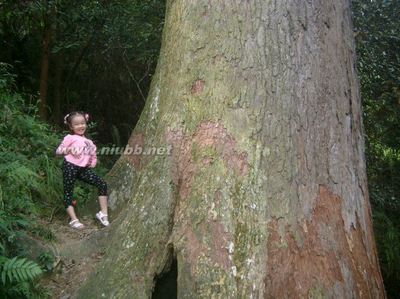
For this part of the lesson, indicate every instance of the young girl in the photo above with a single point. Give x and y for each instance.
(79, 157)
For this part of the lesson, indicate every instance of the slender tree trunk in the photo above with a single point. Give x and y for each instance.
(264, 194)
(58, 88)
(44, 70)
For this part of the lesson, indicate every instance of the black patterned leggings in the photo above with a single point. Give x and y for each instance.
(71, 172)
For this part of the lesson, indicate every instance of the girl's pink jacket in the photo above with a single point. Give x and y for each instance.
(84, 149)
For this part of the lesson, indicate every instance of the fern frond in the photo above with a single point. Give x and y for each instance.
(18, 270)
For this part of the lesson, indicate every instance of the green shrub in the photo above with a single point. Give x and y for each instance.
(30, 187)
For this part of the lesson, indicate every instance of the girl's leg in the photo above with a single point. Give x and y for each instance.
(71, 213)
(103, 204)
(69, 176)
(88, 176)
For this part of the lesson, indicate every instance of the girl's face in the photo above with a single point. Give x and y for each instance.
(78, 124)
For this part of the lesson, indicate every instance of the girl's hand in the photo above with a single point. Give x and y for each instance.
(72, 151)
(90, 163)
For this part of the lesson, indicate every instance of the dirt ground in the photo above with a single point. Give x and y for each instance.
(75, 257)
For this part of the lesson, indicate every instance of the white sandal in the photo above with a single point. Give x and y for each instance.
(102, 218)
(75, 224)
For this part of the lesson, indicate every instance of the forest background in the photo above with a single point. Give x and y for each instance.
(99, 56)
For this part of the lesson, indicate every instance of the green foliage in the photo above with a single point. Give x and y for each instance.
(46, 260)
(377, 31)
(18, 270)
(377, 28)
(42, 232)
(17, 278)
(25, 289)
(389, 243)
(30, 184)
(105, 52)
(7, 78)
(123, 39)
(29, 177)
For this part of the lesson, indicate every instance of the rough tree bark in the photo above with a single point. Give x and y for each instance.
(265, 192)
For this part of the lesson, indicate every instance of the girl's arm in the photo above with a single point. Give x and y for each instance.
(64, 147)
(93, 156)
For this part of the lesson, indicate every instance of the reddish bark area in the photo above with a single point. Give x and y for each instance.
(191, 152)
(322, 256)
(197, 87)
(196, 247)
(135, 141)
(207, 134)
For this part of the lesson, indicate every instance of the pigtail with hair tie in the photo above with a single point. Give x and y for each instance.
(65, 119)
(86, 116)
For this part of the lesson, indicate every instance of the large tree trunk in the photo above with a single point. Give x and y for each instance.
(265, 192)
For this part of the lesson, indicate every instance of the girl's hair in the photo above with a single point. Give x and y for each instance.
(68, 118)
